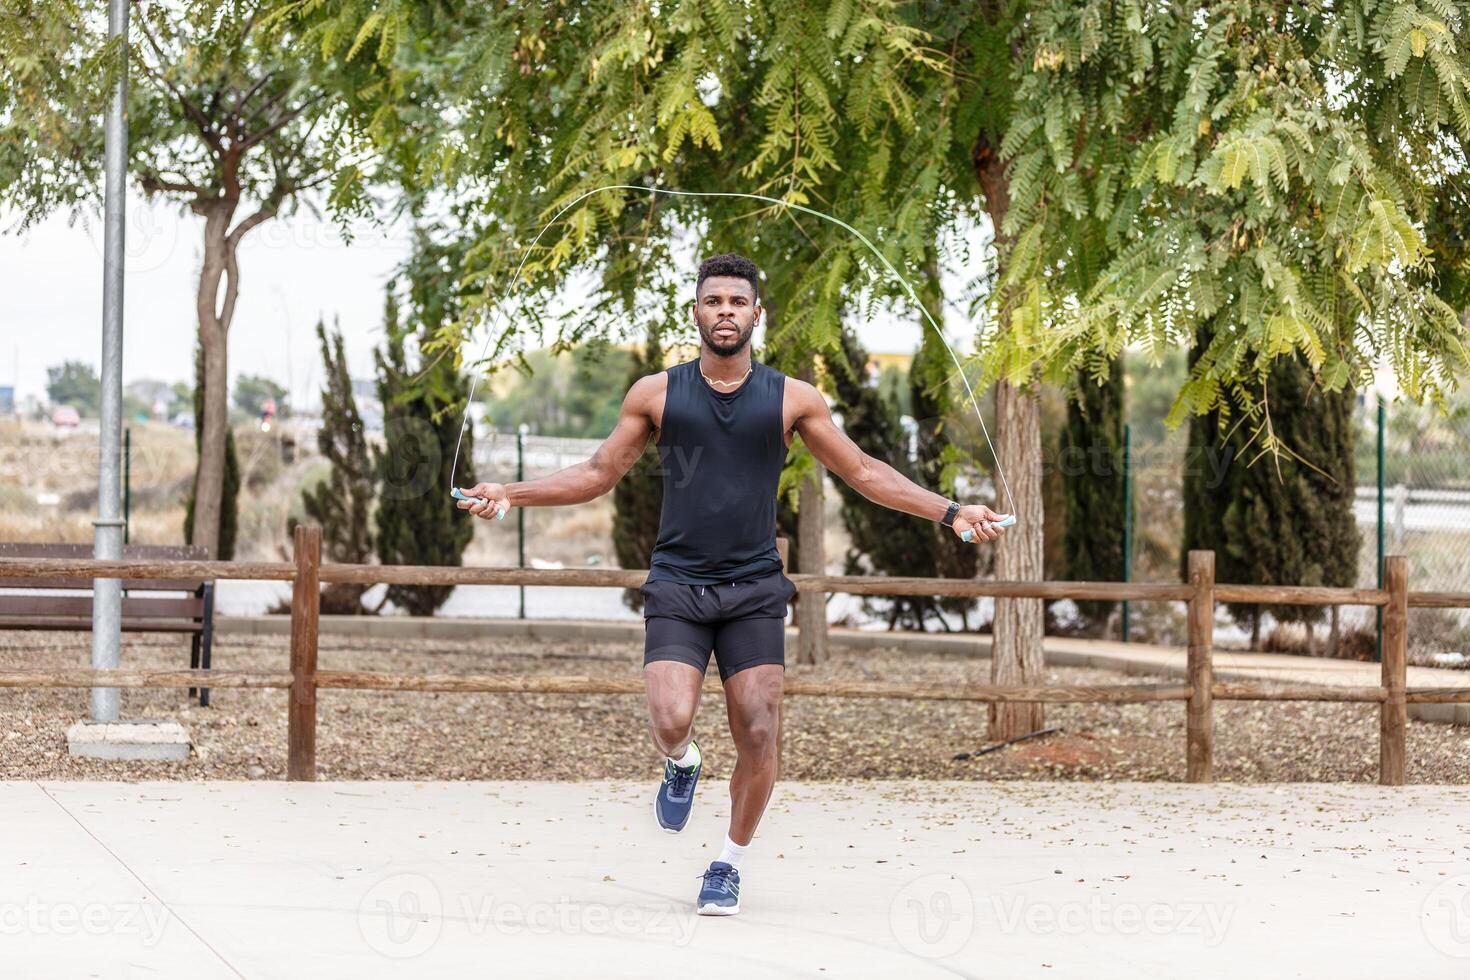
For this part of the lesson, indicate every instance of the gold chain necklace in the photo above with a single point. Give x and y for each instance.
(713, 381)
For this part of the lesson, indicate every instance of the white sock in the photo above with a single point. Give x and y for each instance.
(690, 756)
(732, 853)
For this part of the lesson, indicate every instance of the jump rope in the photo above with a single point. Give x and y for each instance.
(454, 490)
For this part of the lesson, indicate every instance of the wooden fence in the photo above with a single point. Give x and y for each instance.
(1199, 692)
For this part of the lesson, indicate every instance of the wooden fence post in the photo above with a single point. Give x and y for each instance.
(305, 611)
(1393, 717)
(1200, 711)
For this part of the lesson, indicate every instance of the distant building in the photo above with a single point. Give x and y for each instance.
(7, 398)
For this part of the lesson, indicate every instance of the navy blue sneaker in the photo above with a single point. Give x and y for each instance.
(675, 799)
(720, 893)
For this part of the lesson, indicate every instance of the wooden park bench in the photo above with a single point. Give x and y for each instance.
(192, 612)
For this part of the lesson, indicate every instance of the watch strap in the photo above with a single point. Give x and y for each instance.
(949, 515)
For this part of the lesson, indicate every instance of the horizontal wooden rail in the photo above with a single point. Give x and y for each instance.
(513, 684)
(1437, 695)
(632, 578)
(257, 571)
(1301, 692)
(369, 680)
(134, 677)
(1300, 595)
(1439, 600)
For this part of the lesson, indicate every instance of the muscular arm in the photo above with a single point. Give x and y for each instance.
(590, 478)
(873, 478)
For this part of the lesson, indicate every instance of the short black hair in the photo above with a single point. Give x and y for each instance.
(730, 264)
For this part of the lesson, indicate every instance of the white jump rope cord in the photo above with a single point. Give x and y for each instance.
(515, 277)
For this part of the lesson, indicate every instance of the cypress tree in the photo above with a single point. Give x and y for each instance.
(341, 505)
(638, 498)
(931, 397)
(1286, 520)
(229, 516)
(884, 541)
(1091, 463)
(417, 521)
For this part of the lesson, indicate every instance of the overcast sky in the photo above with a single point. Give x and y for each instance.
(293, 270)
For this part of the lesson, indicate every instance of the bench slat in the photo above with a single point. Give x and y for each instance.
(85, 625)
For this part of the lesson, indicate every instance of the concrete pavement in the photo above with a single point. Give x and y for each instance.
(270, 879)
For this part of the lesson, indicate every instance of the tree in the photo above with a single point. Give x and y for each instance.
(341, 505)
(638, 498)
(229, 505)
(251, 391)
(576, 394)
(1207, 170)
(1287, 521)
(884, 541)
(74, 383)
(935, 409)
(417, 522)
(1091, 461)
(232, 113)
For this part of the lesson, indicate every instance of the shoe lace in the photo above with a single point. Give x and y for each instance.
(682, 779)
(719, 879)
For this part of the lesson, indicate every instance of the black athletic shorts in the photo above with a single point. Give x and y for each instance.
(743, 622)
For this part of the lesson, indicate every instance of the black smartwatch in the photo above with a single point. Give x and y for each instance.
(948, 519)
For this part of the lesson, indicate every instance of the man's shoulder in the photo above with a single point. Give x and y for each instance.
(801, 392)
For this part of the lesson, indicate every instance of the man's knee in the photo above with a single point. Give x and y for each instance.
(758, 731)
(670, 723)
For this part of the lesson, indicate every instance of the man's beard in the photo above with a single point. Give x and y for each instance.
(726, 348)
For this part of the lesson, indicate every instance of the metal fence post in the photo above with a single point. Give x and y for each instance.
(127, 480)
(1127, 522)
(521, 511)
(1378, 610)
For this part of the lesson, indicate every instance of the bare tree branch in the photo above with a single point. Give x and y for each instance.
(285, 120)
(194, 112)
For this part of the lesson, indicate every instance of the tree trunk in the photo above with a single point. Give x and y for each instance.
(213, 340)
(1017, 633)
(811, 607)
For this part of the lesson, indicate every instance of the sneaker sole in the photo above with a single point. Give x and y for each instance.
(719, 910)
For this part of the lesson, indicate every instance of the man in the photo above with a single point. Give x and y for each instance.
(723, 424)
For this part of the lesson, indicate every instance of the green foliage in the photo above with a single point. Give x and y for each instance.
(252, 390)
(341, 505)
(417, 522)
(1091, 461)
(1284, 522)
(638, 498)
(1279, 172)
(883, 541)
(229, 509)
(577, 394)
(228, 101)
(75, 383)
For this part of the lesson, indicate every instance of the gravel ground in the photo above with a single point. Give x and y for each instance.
(433, 736)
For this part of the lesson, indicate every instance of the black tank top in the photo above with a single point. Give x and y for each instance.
(721, 455)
